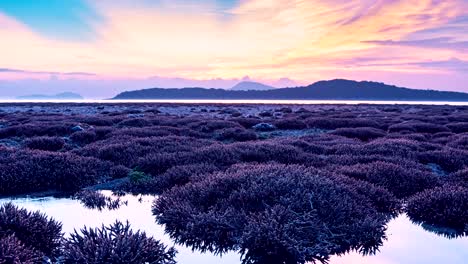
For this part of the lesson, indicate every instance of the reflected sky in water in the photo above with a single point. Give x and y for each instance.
(407, 243)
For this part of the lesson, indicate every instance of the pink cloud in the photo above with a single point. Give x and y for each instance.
(303, 40)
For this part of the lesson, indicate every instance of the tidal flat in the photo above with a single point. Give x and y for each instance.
(233, 183)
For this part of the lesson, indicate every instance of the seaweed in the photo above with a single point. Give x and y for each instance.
(14, 252)
(445, 208)
(117, 244)
(33, 229)
(275, 214)
(322, 180)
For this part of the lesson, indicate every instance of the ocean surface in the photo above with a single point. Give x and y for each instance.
(407, 243)
(196, 101)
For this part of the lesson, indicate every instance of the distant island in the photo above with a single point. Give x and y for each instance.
(59, 96)
(338, 89)
(251, 86)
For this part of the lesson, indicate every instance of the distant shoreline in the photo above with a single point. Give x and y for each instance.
(334, 90)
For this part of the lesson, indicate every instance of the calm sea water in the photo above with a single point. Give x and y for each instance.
(304, 102)
(407, 243)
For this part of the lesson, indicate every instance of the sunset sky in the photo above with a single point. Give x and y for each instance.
(101, 47)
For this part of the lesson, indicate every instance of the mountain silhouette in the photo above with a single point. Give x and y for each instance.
(251, 86)
(338, 89)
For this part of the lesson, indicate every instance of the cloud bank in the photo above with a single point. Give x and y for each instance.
(418, 43)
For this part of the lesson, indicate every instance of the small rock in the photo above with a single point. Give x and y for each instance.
(9, 143)
(153, 110)
(437, 169)
(302, 110)
(227, 111)
(77, 128)
(264, 127)
(135, 115)
(285, 110)
(265, 114)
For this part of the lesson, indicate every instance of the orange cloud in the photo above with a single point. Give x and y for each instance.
(262, 38)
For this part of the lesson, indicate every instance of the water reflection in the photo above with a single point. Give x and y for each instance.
(410, 243)
(73, 215)
(407, 243)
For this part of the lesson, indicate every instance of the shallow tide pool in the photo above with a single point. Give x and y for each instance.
(407, 243)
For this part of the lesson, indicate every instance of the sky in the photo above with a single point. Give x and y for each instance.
(99, 48)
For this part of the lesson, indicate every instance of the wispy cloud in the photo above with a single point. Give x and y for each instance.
(433, 43)
(454, 64)
(304, 40)
(8, 70)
